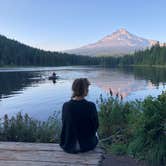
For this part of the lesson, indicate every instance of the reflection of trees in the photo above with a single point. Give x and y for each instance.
(11, 82)
(153, 74)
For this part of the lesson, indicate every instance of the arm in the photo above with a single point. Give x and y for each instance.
(63, 113)
(95, 120)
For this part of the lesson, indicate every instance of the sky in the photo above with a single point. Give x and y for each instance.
(66, 24)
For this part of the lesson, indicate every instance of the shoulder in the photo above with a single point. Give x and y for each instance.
(91, 104)
(67, 103)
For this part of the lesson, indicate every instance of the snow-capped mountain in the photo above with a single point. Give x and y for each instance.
(118, 43)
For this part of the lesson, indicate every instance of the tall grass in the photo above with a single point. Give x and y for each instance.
(25, 129)
(137, 128)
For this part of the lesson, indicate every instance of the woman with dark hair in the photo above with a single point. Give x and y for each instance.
(79, 120)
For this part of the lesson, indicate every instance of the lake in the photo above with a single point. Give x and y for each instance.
(28, 90)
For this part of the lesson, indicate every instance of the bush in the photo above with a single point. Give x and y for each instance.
(139, 126)
(116, 119)
(119, 149)
(25, 129)
(150, 139)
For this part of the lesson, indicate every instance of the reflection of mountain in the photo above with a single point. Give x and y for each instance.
(123, 80)
(127, 80)
(118, 81)
(13, 82)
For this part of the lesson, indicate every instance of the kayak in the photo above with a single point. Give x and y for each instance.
(53, 77)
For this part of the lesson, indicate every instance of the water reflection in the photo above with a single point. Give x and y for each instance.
(151, 74)
(129, 79)
(32, 92)
(124, 80)
(14, 82)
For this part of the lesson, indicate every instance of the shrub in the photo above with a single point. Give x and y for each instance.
(139, 126)
(149, 140)
(25, 129)
(118, 149)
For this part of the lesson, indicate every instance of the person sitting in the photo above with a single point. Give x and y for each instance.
(79, 120)
(54, 75)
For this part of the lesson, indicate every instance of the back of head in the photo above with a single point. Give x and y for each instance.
(80, 87)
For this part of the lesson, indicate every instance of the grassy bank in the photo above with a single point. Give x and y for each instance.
(157, 66)
(22, 128)
(135, 128)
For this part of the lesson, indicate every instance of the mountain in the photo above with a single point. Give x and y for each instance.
(118, 43)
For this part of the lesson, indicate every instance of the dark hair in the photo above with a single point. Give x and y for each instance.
(80, 86)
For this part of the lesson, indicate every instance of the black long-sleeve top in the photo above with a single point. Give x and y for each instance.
(79, 123)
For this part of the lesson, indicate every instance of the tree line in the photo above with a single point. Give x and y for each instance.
(156, 55)
(14, 53)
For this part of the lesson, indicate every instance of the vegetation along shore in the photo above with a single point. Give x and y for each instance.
(136, 128)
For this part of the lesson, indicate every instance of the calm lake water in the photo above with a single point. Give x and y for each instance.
(28, 90)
